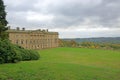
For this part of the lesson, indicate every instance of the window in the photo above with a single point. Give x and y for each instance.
(22, 41)
(17, 41)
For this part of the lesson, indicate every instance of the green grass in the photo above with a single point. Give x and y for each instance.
(66, 64)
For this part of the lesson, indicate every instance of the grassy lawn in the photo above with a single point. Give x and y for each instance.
(66, 64)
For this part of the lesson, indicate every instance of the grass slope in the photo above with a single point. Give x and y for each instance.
(66, 64)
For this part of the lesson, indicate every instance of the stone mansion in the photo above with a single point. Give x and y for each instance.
(33, 39)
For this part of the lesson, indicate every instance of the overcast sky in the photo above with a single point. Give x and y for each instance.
(71, 18)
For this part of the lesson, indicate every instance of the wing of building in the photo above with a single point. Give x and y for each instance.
(33, 39)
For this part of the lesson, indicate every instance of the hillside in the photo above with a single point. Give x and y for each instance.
(98, 40)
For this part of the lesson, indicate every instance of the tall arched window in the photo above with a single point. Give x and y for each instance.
(17, 41)
(22, 41)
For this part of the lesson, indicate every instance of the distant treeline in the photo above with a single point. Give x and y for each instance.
(71, 43)
(110, 46)
(85, 44)
(96, 40)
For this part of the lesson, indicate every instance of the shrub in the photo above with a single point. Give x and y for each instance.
(1, 60)
(10, 53)
(29, 55)
(25, 54)
(34, 55)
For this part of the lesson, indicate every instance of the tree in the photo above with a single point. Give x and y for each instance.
(3, 21)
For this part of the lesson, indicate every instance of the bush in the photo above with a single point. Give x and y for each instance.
(1, 60)
(29, 55)
(34, 55)
(10, 53)
(25, 55)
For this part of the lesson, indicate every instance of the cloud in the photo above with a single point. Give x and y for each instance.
(33, 16)
(65, 14)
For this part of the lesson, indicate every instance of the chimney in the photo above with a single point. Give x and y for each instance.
(39, 29)
(23, 29)
(17, 28)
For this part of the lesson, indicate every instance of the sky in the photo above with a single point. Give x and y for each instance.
(71, 18)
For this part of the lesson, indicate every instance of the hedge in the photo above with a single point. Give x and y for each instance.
(10, 53)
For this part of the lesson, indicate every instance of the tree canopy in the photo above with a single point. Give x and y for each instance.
(3, 21)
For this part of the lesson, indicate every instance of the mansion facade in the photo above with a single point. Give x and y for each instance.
(33, 39)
